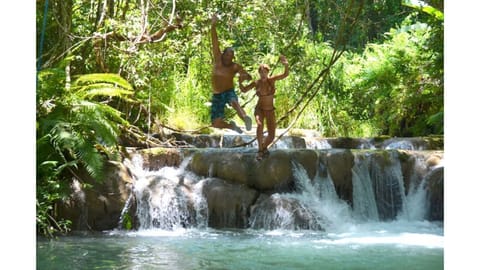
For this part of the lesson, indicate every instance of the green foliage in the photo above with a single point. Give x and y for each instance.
(171, 78)
(75, 129)
(437, 14)
(127, 222)
(389, 81)
(377, 17)
(48, 192)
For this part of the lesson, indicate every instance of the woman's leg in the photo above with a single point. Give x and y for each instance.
(271, 127)
(259, 118)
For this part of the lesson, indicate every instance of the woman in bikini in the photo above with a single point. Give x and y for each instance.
(265, 90)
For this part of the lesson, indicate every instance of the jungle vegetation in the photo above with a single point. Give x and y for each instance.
(110, 69)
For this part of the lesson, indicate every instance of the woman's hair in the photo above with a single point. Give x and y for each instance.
(263, 66)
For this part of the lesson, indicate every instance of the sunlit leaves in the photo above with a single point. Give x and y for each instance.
(79, 131)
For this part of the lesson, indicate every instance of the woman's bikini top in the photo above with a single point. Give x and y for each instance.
(271, 87)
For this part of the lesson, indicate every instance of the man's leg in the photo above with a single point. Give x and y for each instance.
(220, 123)
(218, 114)
(241, 113)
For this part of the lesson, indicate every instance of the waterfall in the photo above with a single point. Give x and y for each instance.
(165, 204)
(168, 198)
(200, 206)
(282, 211)
(79, 196)
(172, 198)
(364, 204)
(415, 204)
(415, 207)
(388, 185)
(402, 144)
(281, 144)
(320, 195)
(313, 206)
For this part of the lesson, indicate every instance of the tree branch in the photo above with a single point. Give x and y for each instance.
(144, 38)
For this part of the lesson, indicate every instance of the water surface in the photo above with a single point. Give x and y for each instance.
(394, 245)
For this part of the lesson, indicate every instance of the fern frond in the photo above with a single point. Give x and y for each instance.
(91, 159)
(100, 110)
(102, 89)
(109, 78)
(61, 136)
(45, 150)
(98, 128)
(73, 163)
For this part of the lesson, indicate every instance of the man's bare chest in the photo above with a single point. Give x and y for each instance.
(223, 71)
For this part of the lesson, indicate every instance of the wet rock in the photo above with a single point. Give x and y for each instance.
(339, 164)
(273, 172)
(434, 160)
(157, 158)
(97, 205)
(348, 143)
(308, 159)
(417, 164)
(165, 203)
(435, 192)
(228, 165)
(228, 203)
(412, 174)
(282, 212)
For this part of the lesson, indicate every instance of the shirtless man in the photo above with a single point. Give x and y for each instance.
(224, 70)
(265, 89)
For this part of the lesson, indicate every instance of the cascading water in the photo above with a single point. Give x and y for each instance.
(364, 204)
(415, 206)
(402, 144)
(165, 201)
(310, 227)
(173, 197)
(319, 195)
(388, 186)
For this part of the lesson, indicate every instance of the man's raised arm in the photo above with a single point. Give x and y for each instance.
(215, 46)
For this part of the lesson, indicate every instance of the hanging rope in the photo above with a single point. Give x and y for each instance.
(341, 42)
(292, 41)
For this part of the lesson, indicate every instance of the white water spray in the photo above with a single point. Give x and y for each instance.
(313, 206)
(322, 198)
(168, 198)
(415, 207)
